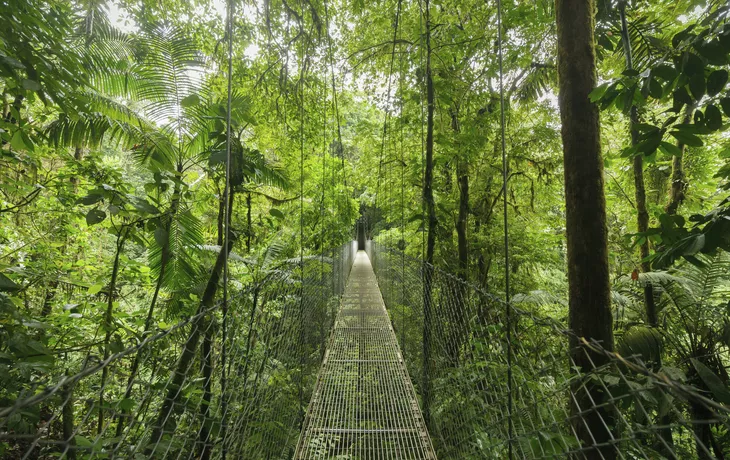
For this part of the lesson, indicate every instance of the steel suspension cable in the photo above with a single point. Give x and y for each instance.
(402, 197)
(505, 229)
(337, 114)
(226, 235)
(324, 171)
(423, 137)
(387, 102)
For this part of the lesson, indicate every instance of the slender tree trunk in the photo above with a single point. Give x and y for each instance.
(587, 239)
(108, 319)
(462, 178)
(642, 215)
(249, 230)
(166, 419)
(165, 257)
(206, 357)
(48, 300)
(67, 415)
(678, 184)
(665, 442)
(78, 156)
(432, 223)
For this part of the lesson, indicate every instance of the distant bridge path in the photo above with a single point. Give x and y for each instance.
(364, 405)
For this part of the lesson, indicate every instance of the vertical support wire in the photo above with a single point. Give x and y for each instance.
(505, 229)
(402, 208)
(334, 231)
(423, 138)
(226, 237)
(322, 208)
(337, 118)
(300, 390)
(387, 102)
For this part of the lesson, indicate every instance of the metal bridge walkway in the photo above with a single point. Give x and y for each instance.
(363, 405)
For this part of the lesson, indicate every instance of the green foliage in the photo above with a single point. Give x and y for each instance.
(112, 135)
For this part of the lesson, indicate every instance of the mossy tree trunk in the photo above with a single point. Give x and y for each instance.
(588, 276)
(431, 231)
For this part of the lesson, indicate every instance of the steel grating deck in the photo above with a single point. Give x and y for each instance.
(363, 405)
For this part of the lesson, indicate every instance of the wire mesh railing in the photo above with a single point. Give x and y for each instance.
(162, 398)
(484, 396)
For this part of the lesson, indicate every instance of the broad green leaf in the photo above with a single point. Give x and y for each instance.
(695, 245)
(687, 138)
(712, 381)
(94, 216)
(645, 127)
(680, 98)
(31, 85)
(655, 89)
(674, 373)
(697, 86)
(716, 82)
(670, 149)
(127, 404)
(90, 199)
(17, 142)
(144, 206)
(693, 65)
(714, 52)
(82, 441)
(7, 285)
(665, 72)
(713, 118)
(276, 213)
(598, 92)
(190, 101)
(161, 236)
(725, 104)
(95, 289)
(682, 36)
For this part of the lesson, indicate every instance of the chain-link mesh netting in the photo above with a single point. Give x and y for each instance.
(162, 398)
(496, 381)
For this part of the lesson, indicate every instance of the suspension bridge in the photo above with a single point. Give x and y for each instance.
(364, 405)
(355, 352)
(337, 357)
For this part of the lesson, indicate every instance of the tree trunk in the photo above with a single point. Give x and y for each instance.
(462, 177)
(665, 442)
(67, 415)
(431, 236)
(642, 215)
(589, 289)
(164, 260)
(678, 184)
(206, 356)
(108, 318)
(166, 422)
(249, 231)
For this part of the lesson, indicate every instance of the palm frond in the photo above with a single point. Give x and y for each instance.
(104, 117)
(184, 240)
(540, 298)
(540, 79)
(256, 168)
(171, 71)
(645, 45)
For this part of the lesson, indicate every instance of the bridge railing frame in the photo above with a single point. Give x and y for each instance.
(278, 327)
(476, 412)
